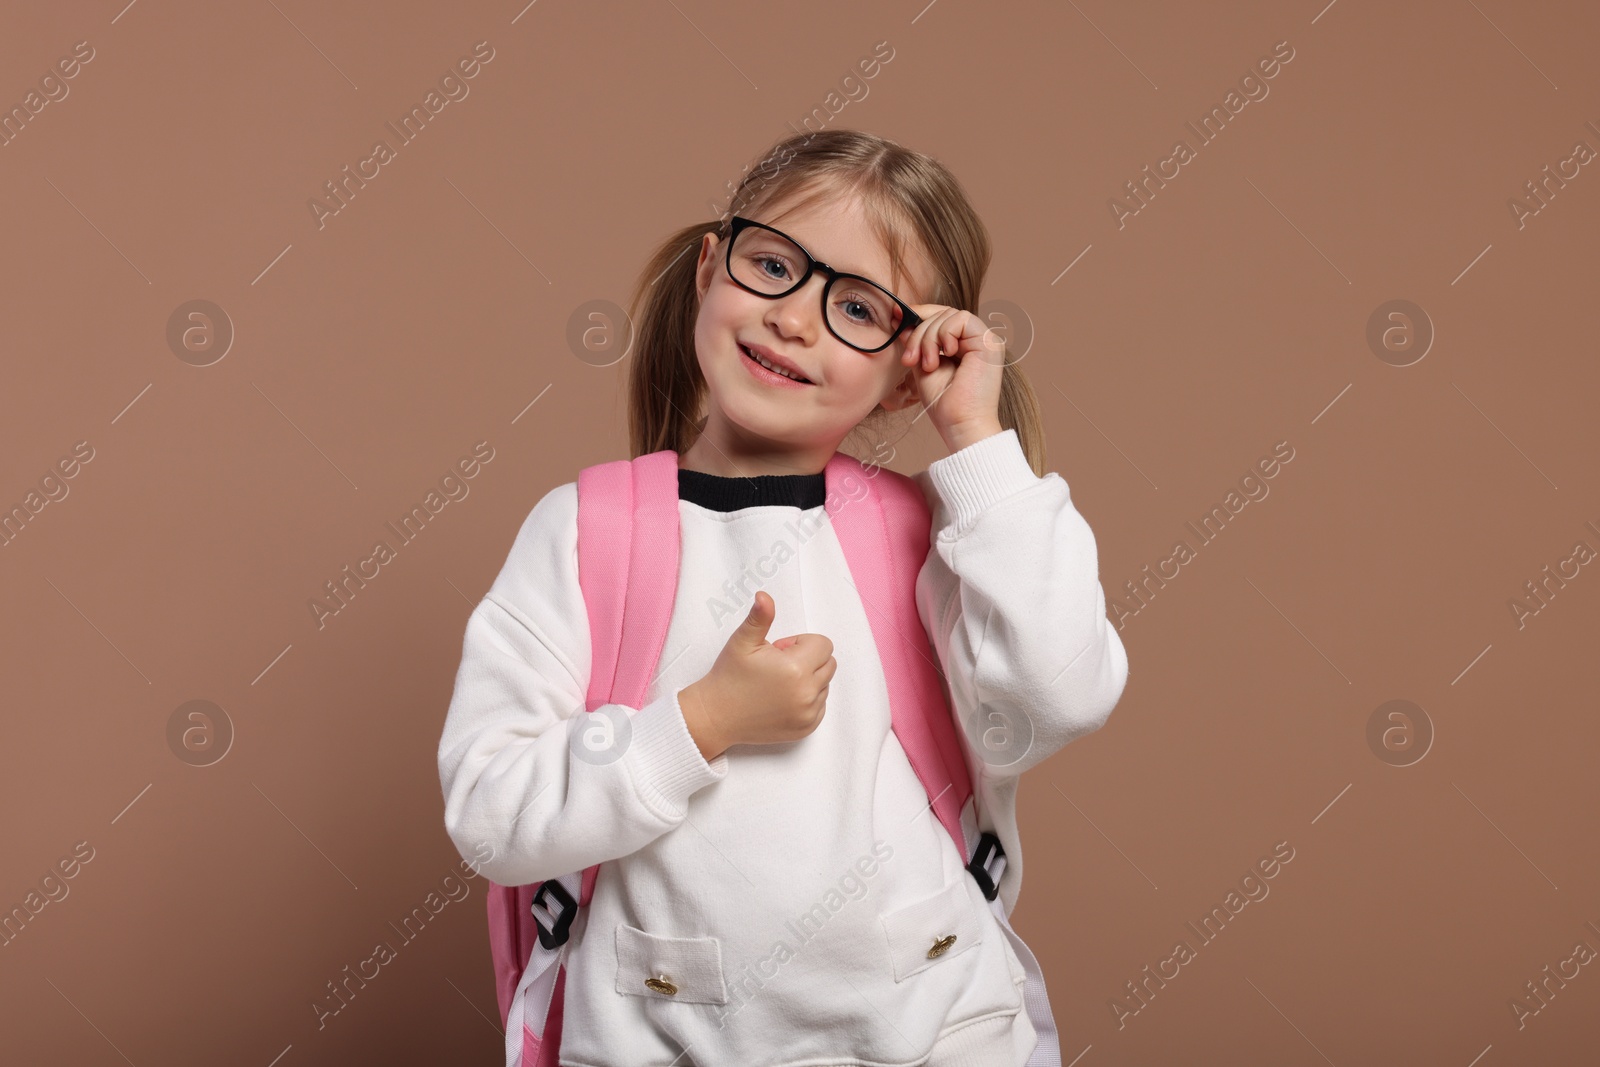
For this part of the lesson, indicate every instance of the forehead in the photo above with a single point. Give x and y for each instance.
(840, 234)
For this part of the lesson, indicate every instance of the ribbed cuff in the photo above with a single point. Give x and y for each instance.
(1008, 1040)
(985, 472)
(666, 764)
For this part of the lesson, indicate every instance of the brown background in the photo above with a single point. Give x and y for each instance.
(373, 352)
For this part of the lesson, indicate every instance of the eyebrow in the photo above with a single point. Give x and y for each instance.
(875, 281)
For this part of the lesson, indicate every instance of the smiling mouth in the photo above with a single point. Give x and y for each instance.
(776, 370)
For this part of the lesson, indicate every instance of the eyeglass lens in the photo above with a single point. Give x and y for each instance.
(861, 313)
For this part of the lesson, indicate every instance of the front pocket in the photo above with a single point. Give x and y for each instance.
(669, 968)
(943, 924)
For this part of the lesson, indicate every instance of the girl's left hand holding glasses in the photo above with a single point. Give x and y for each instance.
(960, 394)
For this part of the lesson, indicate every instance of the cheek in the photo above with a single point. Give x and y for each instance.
(723, 314)
(867, 378)
(711, 311)
(713, 325)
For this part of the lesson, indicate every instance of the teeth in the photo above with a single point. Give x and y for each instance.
(771, 367)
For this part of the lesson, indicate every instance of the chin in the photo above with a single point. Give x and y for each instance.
(758, 430)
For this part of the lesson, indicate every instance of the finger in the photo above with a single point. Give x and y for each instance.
(933, 345)
(994, 345)
(913, 353)
(910, 354)
(952, 331)
(813, 648)
(945, 341)
(826, 671)
(922, 349)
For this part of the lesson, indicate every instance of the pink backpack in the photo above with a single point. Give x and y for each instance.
(628, 534)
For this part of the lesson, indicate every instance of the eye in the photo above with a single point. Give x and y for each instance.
(863, 315)
(765, 260)
(859, 309)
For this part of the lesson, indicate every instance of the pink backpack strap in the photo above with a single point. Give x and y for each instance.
(884, 531)
(628, 570)
(511, 938)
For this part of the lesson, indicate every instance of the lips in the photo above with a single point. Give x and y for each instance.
(776, 360)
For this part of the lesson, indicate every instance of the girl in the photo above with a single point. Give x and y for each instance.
(761, 827)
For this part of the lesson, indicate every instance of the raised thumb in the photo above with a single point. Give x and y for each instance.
(753, 631)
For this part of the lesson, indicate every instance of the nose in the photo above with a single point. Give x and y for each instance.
(799, 314)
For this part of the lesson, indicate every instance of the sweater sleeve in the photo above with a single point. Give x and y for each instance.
(1011, 598)
(530, 779)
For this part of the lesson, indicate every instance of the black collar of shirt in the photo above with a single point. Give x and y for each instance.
(718, 493)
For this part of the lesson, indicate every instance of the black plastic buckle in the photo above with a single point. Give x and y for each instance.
(987, 851)
(556, 937)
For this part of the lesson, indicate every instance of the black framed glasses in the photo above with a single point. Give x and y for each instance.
(858, 311)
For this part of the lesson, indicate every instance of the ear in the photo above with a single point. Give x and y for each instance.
(903, 394)
(707, 265)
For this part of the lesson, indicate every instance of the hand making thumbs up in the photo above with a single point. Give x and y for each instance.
(759, 691)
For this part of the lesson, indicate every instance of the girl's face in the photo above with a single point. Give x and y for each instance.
(755, 425)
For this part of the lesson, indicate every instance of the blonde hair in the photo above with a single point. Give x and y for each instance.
(909, 197)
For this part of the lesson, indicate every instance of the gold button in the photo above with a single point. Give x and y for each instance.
(661, 985)
(940, 944)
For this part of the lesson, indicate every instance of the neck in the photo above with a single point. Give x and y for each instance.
(732, 456)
